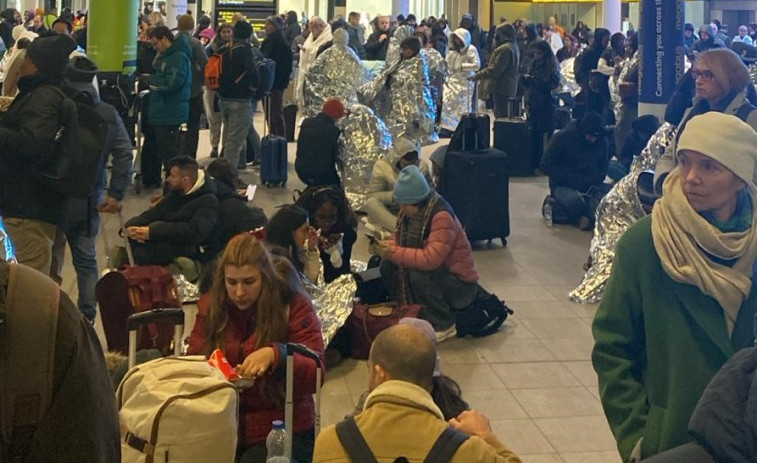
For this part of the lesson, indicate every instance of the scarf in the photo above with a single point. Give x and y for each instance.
(689, 246)
(410, 232)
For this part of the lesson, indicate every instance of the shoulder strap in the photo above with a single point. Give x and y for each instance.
(446, 446)
(744, 111)
(27, 353)
(353, 442)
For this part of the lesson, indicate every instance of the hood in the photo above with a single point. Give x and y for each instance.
(86, 87)
(17, 31)
(224, 190)
(710, 30)
(530, 28)
(181, 45)
(199, 183)
(504, 33)
(9, 15)
(599, 35)
(403, 32)
(724, 417)
(463, 34)
(340, 37)
(647, 124)
(405, 393)
(401, 147)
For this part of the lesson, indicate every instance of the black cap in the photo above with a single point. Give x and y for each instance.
(80, 69)
(50, 54)
(242, 30)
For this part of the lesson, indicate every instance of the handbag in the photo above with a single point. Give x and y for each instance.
(598, 82)
(367, 321)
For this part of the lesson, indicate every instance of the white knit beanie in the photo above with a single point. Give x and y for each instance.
(724, 138)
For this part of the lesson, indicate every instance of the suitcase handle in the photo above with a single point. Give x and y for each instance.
(305, 351)
(150, 316)
(106, 243)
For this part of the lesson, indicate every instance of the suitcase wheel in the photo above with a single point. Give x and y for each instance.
(504, 241)
(138, 183)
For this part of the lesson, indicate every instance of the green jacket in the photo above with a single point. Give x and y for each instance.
(658, 343)
(170, 86)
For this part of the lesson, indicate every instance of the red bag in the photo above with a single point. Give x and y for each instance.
(367, 321)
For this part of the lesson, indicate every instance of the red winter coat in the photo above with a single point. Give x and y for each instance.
(256, 412)
(446, 246)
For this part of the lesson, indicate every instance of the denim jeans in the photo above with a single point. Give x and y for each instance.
(80, 232)
(237, 119)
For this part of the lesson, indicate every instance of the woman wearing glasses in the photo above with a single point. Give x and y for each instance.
(722, 84)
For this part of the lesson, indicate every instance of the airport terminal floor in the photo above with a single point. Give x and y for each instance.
(533, 379)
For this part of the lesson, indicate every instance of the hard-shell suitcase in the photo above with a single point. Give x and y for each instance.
(476, 185)
(513, 136)
(175, 409)
(472, 132)
(293, 348)
(122, 292)
(274, 167)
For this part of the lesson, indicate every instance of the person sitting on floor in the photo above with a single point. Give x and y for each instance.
(235, 216)
(331, 215)
(576, 162)
(290, 234)
(181, 221)
(318, 146)
(400, 418)
(429, 261)
(381, 208)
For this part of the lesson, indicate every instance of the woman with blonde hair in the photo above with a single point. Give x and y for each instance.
(681, 297)
(722, 84)
(255, 306)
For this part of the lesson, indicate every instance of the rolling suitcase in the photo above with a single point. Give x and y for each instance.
(122, 292)
(305, 351)
(513, 136)
(290, 121)
(476, 185)
(472, 132)
(274, 167)
(175, 409)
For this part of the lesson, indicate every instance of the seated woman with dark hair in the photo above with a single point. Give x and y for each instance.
(335, 223)
(290, 234)
(255, 306)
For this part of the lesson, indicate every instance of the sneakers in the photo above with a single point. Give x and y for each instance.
(449, 333)
(376, 230)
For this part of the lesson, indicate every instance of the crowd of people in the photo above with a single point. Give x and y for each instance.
(679, 303)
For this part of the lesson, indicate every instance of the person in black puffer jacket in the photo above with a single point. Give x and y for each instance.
(318, 146)
(274, 47)
(576, 162)
(234, 215)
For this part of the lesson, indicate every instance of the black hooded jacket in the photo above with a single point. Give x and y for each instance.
(274, 47)
(26, 138)
(571, 161)
(589, 58)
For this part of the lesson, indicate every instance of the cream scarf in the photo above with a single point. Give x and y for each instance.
(683, 239)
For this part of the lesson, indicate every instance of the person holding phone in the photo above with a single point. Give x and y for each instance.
(255, 306)
(290, 234)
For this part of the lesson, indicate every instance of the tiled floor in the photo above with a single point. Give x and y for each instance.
(533, 379)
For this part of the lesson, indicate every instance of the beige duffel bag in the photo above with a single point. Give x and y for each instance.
(177, 409)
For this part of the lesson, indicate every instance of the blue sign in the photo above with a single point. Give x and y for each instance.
(660, 48)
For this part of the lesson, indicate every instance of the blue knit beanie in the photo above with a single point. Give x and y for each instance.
(411, 186)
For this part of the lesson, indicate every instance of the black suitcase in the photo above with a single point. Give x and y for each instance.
(476, 185)
(513, 136)
(472, 132)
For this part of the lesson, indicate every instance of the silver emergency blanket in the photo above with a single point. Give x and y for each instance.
(6, 249)
(614, 91)
(189, 293)
(393, 55)
(568, 82)
(332, 303)
(753, 72)
(365, 139)
(337, 72)
(401, 96)
(358, 266)
(617, 211)
(458, 97)
(437, 73)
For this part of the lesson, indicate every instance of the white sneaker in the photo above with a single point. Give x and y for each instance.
(449, 333)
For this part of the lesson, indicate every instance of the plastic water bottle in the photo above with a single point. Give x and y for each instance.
(276, 444)
(547, 213)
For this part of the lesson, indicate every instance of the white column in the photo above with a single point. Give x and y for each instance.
(400, 7)
(174, 8)
(611, 15)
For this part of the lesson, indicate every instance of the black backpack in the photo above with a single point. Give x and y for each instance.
(357, 449)
(77, 149)
(483, 317)
(266, 69)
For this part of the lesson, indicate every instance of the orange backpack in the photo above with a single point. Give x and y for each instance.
(213, 71)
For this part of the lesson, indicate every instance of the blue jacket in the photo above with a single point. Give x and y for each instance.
(170, 86)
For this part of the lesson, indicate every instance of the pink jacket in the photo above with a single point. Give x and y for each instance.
(446, 246)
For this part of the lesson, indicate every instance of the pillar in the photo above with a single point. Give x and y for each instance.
(661, 51)
(400, 7)
(174, 9)
(611, 15)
